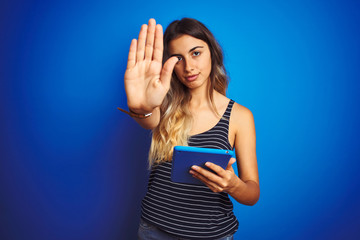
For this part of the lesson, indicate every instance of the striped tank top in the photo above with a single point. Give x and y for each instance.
(191, 211)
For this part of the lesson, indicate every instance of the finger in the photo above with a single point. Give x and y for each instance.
(141, 43)
(150, 39)
(213, 186)
(158, 46)
(216, 168)
(231, 162)
(132, 54)
(167, 70)
(209, 175)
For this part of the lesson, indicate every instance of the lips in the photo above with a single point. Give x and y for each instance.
(192, 77)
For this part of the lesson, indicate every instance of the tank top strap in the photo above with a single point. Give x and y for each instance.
(225, 122)
(227, 113)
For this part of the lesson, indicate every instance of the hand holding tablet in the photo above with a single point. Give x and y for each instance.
(185, 157)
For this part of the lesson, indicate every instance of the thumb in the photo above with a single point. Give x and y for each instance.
(167, 70)
(229, 167)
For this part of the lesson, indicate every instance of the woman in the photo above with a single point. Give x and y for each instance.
(182, 99)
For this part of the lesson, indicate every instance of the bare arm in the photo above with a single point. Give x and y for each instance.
(245, 188)
(146, 80)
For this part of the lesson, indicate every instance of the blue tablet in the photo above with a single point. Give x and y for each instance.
(184, 157)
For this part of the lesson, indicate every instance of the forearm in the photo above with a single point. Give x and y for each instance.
(247, 192)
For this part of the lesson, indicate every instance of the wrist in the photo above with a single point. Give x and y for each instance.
(139, 115)
(238, 187)
(139, 111)
(134, 114)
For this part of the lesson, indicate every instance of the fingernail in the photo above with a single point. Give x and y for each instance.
(195, 167)
(207, 164)
(191, 172)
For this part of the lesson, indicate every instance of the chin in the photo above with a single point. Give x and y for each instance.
(192, 85)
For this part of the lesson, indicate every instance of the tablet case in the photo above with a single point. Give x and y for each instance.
(184, 157)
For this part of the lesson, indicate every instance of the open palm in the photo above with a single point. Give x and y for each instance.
(146, 80)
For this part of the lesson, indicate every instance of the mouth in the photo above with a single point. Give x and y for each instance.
(192, 77)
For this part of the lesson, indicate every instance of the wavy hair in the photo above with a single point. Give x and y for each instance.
(175, 117)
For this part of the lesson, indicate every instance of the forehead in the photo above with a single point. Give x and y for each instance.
(184, 43)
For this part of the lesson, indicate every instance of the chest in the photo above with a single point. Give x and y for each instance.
(219, 127)
(203, 121)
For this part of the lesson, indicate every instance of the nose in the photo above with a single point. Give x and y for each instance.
(189, 65)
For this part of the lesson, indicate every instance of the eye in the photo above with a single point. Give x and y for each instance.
(196, 53)
(179, 58)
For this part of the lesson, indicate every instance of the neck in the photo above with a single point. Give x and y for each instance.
(199, 97)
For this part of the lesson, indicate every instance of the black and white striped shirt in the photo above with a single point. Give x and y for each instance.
(191, 211)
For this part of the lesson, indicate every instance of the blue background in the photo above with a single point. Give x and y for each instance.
(74, 167)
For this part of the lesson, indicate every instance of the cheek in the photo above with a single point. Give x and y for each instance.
(206, 64)
(207, 67)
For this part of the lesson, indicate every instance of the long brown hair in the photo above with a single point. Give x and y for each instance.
(176, 120)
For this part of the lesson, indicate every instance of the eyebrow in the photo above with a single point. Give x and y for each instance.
(175, 55)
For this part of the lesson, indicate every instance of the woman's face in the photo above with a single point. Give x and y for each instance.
(194, 65)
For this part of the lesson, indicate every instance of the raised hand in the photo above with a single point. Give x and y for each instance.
(147, 81)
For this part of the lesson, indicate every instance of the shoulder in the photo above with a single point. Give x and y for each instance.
(241, 117)
(221, 101)
(240, 111)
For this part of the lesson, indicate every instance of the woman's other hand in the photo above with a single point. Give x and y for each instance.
(225, 180)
